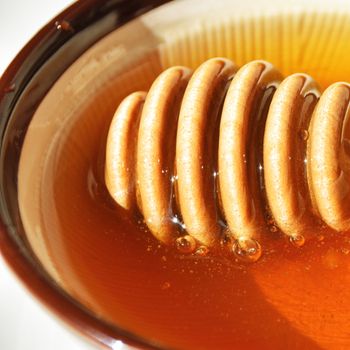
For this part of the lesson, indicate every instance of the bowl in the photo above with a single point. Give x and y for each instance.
(85, 258)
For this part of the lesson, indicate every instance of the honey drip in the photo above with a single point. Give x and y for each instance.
(223, 151)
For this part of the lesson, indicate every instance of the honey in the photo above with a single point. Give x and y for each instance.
(292, 297)
(295, 296)
(110, 262)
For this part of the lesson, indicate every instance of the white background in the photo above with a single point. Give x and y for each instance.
(24, 322)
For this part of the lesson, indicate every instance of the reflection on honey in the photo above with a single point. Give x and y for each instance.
(292, 298)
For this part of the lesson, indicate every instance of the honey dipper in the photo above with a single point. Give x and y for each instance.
(217, 151)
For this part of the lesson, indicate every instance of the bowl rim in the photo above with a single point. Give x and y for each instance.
(13, 253)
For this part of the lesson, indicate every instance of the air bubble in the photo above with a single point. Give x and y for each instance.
(185, 244)
(226, 239)
(173, 178)
(165, 285)
(273, 228)
(297, 240)
(202, 250)
(247, 249)
(304, 134)
(320, 238)
(345, 251)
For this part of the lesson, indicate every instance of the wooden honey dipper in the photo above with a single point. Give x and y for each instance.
(212, 153)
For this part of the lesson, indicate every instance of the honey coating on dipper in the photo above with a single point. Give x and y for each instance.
(229, 152)
(285, 158)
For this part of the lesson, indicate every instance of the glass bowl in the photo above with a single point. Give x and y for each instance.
(57, 99)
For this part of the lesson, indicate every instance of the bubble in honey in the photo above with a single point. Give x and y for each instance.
(202, 250)
(273, 228)
(320, 238)
(247, 249)
(304, 134)
(226, 239)
(185, 244)
(345, 251)
(332, 259)
(297, 240)
(165, 285)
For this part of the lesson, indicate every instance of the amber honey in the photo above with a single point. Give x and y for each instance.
(105, 257)
(292, 297)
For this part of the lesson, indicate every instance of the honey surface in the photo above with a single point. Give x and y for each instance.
(291, 298)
